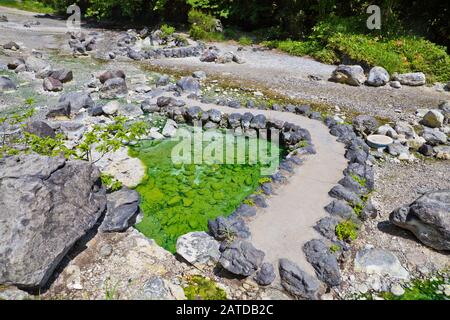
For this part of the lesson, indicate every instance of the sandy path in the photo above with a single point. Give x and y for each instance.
(281, 229)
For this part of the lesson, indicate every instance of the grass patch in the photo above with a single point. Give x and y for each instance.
(346, 230)
(200, 288)
(27, 5)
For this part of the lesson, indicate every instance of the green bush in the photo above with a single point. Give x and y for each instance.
(346, 230)
(202, 20)
(245, 41)
(201, 288)
(167, 30)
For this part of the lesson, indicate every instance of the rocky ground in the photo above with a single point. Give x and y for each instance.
(128, 265)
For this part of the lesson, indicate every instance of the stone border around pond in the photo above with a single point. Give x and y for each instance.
(349, 194)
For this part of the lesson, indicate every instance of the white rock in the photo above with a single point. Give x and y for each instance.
(170, 128)
(111, 107)
(379, 262)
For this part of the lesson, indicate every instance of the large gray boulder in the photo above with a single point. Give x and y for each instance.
(46, 205)
(324, 262)
(241, 258)
(122, 210)
(434, 136)
(351, 75)
(413, 79)
(6, 84)
(378, 76)
(428, 218)
(297, 282)
(40, 129)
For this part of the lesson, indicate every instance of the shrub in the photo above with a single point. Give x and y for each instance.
(200, 288)
(202, 20)
(346, 230)
(245, 41)
(167, 30)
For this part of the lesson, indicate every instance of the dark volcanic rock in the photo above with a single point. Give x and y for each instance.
(324, 262)
(241, 258)
(297, 282)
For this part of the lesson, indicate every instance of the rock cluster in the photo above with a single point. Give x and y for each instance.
(354, 75)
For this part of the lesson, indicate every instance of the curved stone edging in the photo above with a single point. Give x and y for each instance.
(286, 211)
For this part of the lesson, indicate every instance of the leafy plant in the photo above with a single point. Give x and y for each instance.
(249, 202)
(200, 288)
(167, 30)
(335, 248)
(110, 182)
(245, 41)
(111, 292)
(360, 180)
(346, 230)
(46, 146)
(109, 138)
(263, 180)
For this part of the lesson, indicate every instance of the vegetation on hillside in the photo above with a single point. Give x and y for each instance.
(412, 37)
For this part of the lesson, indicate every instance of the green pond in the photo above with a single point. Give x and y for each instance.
(181, 198)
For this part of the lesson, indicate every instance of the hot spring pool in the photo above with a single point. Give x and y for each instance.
(181, 198)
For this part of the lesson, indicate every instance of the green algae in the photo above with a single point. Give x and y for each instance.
(181, 198)
(200, 288)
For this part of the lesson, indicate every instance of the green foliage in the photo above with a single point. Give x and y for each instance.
(249, 202)
(167, 31)
(110, 182)
(336, 37)
(245, 41)
(203, 26)
(46, 146)
(111, 292)
(335, 248)
(361, 180)
(421, 289)
(263, 180)
(27, 5)
(346, 230)
(200, 288)
(109, 138)
(181, 198)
